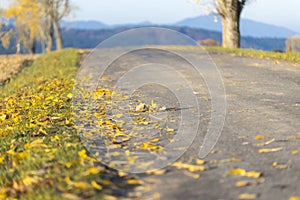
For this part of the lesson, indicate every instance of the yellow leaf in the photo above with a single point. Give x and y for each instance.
(237, 172)
(21, 155)
(94, 170)
(127, 153)
(56, 137)
(195, 176)
(96, 185)
(3, 117)
(141, 107)
(28, 181)
(279, 166)
(247, 196)
(153, 104)
(82, 185)
(294, 198)
(270, 150)
(109, 197)
(135, 182)
(118, 116)
(253, 174)
(163, 108)
(200, 162)
(260, 137)
(70, 95)
(157, 172)
(82, 154)
(241, 184)
(122, 174)
(242, 172)
(70, 196)
(41, 131)
(294, 152)
(191, 168)
(2, 159)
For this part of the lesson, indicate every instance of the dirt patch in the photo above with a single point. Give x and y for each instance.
(11, 65)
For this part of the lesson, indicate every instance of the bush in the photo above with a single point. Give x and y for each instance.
(209, 42)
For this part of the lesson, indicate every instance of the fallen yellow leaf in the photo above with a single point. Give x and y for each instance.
(270, 150)
(96, 185)
(191, 168)
(70, 196)
(247, 196)
(135, 182)
(242, 172)
(241, 184)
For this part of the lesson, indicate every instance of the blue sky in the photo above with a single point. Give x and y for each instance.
(278, 12)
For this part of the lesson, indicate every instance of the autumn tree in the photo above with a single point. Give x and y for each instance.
(38, 21)
(230, 12)
(28, 18)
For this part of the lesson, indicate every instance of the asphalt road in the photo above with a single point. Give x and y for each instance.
(263, 99)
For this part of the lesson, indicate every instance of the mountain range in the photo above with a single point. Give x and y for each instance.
(209, 22)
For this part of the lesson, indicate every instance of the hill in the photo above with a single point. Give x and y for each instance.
(248, 27)
(208, 22)
(75, 38)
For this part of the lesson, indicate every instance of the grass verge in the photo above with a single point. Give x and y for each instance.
(41, 156)
(293, 57)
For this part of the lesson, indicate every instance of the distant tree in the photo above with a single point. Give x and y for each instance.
(38, 21)
(230, 12)
(28, 18)
(57, 10)
(293, 44)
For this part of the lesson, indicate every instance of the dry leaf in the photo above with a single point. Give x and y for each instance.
(195, 176)
(294, 152)
(242, 172)
(294, 198)
(96, 185)
(135, 182)
(247, 196)
(191, 168)
(270, 150)
(70, 196)
(242, 184)
(157, 172)
(279, 166)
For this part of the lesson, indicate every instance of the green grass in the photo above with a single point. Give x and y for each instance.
(61, 64)
(41, 156)
(293, 57)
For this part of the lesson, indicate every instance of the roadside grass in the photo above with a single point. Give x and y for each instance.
(292, 57)
(41, 156)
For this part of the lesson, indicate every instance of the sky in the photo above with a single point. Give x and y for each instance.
(278, 12)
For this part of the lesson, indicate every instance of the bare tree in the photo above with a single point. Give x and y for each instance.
(58, 9)
(230, 12)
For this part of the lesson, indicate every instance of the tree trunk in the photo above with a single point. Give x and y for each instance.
(231, 30)
(32, 47)
(230, 12)
(59, 44)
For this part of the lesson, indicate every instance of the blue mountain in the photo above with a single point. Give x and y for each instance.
(248, 27)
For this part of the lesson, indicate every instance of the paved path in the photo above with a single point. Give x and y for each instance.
(263, 99)
(263, 102)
